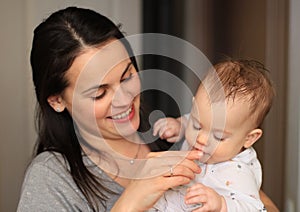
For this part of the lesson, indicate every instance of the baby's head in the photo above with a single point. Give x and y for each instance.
(222, 131)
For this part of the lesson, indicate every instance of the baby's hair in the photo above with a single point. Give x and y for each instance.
(246, 80)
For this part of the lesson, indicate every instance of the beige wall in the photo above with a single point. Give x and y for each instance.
(292, 169)
(14, 103)
(17, 21)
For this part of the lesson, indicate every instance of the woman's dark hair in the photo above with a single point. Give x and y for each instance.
(57, 42)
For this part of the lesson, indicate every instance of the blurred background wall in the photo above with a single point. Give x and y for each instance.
(265, 30)
(18, 18)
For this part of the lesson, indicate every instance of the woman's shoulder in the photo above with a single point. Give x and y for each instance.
(48, 183)
(47, 156)
(47, 159)
(48, 166)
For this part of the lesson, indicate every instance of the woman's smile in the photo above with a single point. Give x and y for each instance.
(123, 116)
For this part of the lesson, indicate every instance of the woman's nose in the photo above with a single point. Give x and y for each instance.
(121, 97)
(202, 138)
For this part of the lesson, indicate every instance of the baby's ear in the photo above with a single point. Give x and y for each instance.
(252, 137)
(56, 102)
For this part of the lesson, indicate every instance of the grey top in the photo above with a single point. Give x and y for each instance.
(48, 186)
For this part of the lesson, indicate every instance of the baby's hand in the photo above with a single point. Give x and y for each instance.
(209, 198)
(170, 129)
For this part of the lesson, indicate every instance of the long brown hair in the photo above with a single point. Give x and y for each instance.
(57, 42)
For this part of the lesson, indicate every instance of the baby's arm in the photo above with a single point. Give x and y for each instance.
(171, 129)
(210, 199)
(236, 184)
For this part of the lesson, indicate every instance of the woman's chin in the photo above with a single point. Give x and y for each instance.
(129, 127)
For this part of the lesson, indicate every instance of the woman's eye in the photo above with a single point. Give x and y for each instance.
(127, 78)
(99, 95)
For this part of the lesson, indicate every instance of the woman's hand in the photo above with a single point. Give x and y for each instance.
(164, 171)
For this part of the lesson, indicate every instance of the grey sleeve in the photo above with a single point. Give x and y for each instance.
(47, 188)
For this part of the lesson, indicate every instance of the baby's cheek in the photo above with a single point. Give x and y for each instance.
(221, 154)
(191, 136)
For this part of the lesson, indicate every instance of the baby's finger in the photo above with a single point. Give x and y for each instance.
(155, 129)
(160, 122)
(162, 131)
(203, 208)
(167, 133)
(196, 187)
(199, 199)
(192, 193)
(173, 139)
(158, 125)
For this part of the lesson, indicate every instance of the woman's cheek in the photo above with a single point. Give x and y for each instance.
(83, 113)
(133, 86)
(101, 109)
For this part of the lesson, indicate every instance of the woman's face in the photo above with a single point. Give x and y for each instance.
(103, 95)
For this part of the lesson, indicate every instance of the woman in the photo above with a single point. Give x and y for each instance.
(87, 88)
(89, 155)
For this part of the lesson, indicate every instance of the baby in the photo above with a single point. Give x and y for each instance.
(228, 110)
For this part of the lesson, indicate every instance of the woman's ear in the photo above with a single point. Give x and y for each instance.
(252, 137)
(57, 103)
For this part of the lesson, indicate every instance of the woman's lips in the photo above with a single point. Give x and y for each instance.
(124, 116)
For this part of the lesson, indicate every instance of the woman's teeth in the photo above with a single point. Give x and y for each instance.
(122, 115)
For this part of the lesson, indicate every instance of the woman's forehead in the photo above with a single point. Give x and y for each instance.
(95, 63)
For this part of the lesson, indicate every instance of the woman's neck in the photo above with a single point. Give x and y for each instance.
(128, 147)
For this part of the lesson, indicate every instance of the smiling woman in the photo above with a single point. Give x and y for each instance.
(107, 97)
(88, 116)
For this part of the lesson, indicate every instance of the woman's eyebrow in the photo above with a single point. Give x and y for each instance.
(96, 87)
(105, 85)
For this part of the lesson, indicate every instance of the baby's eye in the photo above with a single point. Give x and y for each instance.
(218, 137)
(196, 126)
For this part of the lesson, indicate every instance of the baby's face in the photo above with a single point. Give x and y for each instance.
(219, 130)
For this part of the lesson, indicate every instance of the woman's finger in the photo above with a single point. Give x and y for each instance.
(174, 158)
(180, 170)
(174, 181)
(191, 155)
(160, 163)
